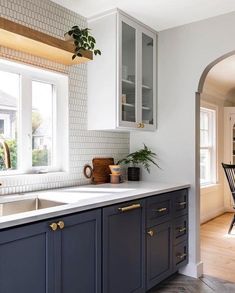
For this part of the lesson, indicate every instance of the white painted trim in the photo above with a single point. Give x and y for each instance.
(194, 270)
(209, 188)
(213, 215)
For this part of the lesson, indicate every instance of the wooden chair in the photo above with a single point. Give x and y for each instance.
(230, 174)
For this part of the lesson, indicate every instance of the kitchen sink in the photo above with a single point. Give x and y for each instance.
(26, 205)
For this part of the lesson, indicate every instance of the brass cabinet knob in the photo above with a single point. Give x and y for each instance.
(60, 224)
(150, 233)
(53, 226)
(139, 125)
(181, 256)
(182, 229)
(142, 125)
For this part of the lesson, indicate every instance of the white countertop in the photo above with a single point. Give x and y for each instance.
(81, 198)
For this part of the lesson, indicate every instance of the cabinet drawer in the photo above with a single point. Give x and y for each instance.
(180, 255)
(180, 203)
(159, 209)
(180, 229)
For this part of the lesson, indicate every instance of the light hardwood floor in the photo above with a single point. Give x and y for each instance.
(218, 248)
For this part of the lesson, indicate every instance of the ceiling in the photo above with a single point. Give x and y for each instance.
(158, 14)
(222, 78)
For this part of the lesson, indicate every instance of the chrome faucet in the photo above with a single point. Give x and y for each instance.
(7, 156)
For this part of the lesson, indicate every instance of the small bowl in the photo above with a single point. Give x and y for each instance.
(115, 169)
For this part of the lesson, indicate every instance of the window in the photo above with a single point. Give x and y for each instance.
(207, 146)
(33, 118)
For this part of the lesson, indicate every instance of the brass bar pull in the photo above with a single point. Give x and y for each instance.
(53, 226)
(181, 229)
(150, 233)
(181, 256)
(60, 224)
(129, 208)
(182, 203)
(161, 210)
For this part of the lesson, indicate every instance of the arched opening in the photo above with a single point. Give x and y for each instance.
(215, 143)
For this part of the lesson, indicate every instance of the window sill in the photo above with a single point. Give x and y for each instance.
(209, 188)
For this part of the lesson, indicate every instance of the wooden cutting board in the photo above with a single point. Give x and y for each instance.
(100, 172)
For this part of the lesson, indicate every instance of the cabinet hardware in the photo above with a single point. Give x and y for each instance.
(60, 224)
(161, 210)
(131, 207)
(150, 233)
(139, 125)
(142, 125)
(181, 229)
(181, 256)
(53, 226)
(183, 203)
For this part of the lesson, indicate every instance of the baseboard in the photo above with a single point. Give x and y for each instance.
(192, 270)
(212, 215)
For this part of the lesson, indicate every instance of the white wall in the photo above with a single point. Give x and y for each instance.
(183, 54)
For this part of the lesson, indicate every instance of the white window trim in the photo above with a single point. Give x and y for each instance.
(215, 108)
(60, 144)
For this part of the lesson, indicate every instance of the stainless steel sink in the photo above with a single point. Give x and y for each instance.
(26, 205)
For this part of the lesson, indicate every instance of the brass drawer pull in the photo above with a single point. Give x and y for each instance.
(139, 125)
(60, 224)
(129, 208)
(181, 229)
(142, 125)
(161, 210)
(182, 203)
(53, 226)
(150, 233)
(181, 256)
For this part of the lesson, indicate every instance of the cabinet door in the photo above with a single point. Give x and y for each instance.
(26, 259)
(128, 72)
(78, 250)
(123, 248)
(148, 79)
(159, 253)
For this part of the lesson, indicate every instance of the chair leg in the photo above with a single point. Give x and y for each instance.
(231, 225)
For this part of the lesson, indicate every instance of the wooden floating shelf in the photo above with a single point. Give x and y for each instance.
(19, 37)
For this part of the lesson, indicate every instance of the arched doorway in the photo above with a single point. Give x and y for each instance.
(213, 201)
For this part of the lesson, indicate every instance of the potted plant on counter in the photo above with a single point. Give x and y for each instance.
(144, 157)
(83, 41)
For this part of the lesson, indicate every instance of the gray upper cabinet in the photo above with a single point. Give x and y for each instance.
(122, 81)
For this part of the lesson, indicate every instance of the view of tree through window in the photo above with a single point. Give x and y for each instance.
(42, 123)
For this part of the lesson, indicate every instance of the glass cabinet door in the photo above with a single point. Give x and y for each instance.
(147, 108)
(128, 73)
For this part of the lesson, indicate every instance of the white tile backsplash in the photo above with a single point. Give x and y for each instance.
(55, 20)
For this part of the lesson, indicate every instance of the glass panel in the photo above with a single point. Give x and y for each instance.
(205, 163)
(128, 73)
(147, 79)
(9, 101)
(204, 128)
(233, 139)
(42, 123)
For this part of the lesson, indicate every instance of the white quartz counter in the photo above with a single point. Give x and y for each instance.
(86, 197)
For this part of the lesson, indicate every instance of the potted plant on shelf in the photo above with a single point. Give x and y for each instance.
(83, 41)
(144, 157)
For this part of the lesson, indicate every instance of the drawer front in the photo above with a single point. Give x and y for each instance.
(180, 255)
(159, 209)
(180, 229)
(180, 203)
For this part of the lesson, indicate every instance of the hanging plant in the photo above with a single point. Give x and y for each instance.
(83, 41)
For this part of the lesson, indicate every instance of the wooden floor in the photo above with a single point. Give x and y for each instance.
(218, 248)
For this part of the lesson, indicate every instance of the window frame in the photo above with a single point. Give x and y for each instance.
(29, 73)
(212, 144)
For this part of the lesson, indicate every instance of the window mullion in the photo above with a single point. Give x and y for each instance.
(25, 137)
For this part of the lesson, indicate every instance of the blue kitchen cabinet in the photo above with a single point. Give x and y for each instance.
(57, 256)
(26, 259)
(124, 248)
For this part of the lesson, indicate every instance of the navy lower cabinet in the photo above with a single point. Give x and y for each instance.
(62, 255)
(159, 253)
(78, 250)
(124, 248)
(26, 259)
